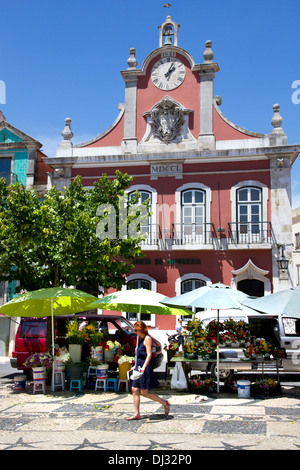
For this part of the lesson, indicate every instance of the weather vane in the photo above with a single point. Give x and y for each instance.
(167, 5)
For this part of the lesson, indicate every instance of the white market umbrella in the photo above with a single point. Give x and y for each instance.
(215, 296)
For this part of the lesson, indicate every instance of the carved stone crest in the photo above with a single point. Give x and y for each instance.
(166, 120)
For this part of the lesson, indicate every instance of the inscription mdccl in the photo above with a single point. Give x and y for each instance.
(166, 169)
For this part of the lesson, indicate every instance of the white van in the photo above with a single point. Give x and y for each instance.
(283, 332)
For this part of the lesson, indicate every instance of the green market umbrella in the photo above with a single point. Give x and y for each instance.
(137, 301)
(285, 302)
(215, 296)
(48, 302)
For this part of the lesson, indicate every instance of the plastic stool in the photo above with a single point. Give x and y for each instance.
(58, 383)
(76, 384)
(92, 371)
(112, 384)
(100, 383)
(36, 386)
(126, 382)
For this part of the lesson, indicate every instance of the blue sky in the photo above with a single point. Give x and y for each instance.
(62, 58)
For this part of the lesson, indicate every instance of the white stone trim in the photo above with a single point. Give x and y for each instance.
(189, 276)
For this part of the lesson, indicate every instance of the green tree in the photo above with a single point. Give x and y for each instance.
(54, 241)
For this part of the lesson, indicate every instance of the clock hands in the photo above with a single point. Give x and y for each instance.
(171, 69)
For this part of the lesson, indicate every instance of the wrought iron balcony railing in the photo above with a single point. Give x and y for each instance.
(250, 233)
(154, 234)
(194, 234)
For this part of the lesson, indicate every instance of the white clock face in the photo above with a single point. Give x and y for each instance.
(168, 73)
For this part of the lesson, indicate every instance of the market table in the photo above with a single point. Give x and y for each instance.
(231, 363)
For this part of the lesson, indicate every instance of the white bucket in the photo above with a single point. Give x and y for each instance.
(39, 373)
(19, 383)
(102, 371)
(243, 388)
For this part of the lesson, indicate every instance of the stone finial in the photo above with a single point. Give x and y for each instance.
(67, 133)
(277, 120)
(208, 53)
(2, 117)
(132, 62)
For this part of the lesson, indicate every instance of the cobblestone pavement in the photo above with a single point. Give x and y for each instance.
(69, 420)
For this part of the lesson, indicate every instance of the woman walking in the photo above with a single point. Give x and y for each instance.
(147, 380)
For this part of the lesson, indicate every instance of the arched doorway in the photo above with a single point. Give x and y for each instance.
(252, 287)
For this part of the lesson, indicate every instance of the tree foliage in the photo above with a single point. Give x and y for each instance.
(52, 241)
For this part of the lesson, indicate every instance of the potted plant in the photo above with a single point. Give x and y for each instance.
(76, 337)
(40, 363)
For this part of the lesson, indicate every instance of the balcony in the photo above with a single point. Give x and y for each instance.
(250, 233)
(153, 235)
(194, 235)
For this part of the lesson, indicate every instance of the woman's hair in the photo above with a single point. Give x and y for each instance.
(141, 326)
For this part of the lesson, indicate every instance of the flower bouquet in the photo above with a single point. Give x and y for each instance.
(207, 350)
(266, 387)
(227, 338)
(265, 348)
(190, 350)
(195, 326)
(124, 359)
(75, 334)
(94, 361)
(125, 363)
(93, 335)
(39, 359)
(111, 348)
(198, 385)
(250, 352)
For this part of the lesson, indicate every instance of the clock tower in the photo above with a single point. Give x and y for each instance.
(169, 100)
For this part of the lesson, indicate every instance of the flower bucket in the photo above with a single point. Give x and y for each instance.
(108, 355)
(75, 352)
(123, 369)
(59, 366)
(243, 388)
(97, 352)
(102, 371)
(75, 371)
(39, 373)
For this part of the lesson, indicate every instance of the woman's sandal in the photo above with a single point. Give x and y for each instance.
(167, 408)
(134, 418)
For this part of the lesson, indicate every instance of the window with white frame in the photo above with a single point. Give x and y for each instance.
(249, 213)
(193, 212)
(193, 215)
(149, 195)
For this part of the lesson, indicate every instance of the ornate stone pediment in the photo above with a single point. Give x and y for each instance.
(167, 121)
